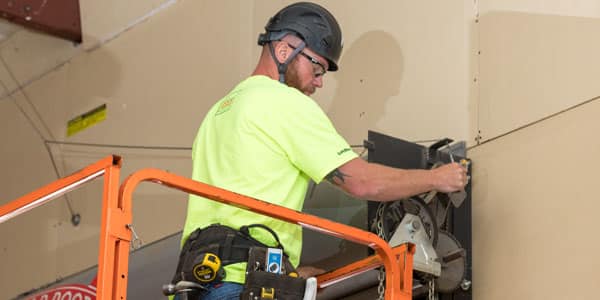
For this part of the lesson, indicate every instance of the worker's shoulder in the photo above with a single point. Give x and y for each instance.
(261, 90)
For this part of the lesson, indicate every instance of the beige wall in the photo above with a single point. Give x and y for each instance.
(534, 182)
(533, 65)
(417, 70)
(404, 70)
(157, 77)
(535, 210)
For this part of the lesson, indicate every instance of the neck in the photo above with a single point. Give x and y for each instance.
(266, 66)
(266, 71)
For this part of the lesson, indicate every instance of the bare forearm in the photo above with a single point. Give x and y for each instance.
(393, 184)
(382, 183)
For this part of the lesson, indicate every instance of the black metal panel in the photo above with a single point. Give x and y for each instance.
(398, 153)
(395, 152)
(461, 228)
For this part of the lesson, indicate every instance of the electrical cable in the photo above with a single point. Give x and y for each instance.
(75, 217)
(536, 122)
(119, 146)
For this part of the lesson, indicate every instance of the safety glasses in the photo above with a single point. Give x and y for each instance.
(318, 68)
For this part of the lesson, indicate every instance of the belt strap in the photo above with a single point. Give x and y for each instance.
(230, 245)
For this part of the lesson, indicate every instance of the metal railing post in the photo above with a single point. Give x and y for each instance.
(110, 235)
(114, 241)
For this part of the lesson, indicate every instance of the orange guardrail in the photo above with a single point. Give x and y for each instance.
(115, 234)
(398, 281)
(109, 168)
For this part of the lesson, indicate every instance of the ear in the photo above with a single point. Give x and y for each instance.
(282, 51)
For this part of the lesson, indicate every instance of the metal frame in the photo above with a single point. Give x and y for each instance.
(108, 167)
(57, 18)
(404, 251)
(395, 152)
(115, 234)
(398, 261)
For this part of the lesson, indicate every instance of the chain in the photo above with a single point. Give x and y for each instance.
(431, 289)
(380, 233)
(379, 221)
(381, 287)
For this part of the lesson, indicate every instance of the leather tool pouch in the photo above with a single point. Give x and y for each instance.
(283, 287)
(277, 286)
(230, 245)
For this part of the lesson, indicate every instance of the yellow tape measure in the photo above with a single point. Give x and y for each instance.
(208, 268)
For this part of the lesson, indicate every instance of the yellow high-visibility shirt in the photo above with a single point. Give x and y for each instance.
(267, 141)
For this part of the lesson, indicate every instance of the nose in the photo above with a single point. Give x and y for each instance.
(318, 81)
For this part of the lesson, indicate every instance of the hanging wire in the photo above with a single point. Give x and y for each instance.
(75, 217)
(537, 121)
(119, 146)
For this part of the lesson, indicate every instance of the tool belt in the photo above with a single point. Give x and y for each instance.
(263, 285)
(217, 245)
(230, 245)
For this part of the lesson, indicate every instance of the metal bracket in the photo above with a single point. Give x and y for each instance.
(58, 18)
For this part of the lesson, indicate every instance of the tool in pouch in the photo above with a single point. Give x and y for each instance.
(208, 268)
(270, 275)
(267, 278)
(204, 254)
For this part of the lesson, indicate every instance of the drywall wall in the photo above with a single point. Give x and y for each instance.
(471, 70)
(534, 210)
(159, 65)
(533, 180)
(404, 70)
(534, 65)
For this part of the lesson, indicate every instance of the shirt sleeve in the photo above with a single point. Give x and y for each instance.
(306, 135)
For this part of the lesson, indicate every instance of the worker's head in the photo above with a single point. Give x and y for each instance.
(303, 34)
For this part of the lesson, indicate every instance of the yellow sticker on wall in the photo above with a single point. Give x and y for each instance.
(86, 120)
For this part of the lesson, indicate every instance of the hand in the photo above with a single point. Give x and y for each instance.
(450, 178)
(309, 271)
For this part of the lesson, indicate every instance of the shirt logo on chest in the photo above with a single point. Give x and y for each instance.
(224, 106)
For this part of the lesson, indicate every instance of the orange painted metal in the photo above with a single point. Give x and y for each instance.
(114, 241)
(112, 215)
(59, 187)
(115, 237)
(398, 285)
(404, 253)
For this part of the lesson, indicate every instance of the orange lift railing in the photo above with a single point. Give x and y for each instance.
(397, 262)
(115, 234)
(108, 167)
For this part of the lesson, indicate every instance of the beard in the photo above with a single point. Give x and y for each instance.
(292, 79)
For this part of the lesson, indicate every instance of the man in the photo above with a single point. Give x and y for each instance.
(267, 139)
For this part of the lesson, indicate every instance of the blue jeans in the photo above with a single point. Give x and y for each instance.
(220, 291)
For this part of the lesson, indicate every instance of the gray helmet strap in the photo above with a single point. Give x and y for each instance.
(282, 67)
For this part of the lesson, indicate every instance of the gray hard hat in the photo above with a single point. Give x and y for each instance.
(313, 24)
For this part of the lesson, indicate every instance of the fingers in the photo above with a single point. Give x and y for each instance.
(462, 179)
(452, 177)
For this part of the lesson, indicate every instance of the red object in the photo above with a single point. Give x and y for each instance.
(93, 283)
(68, 292)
